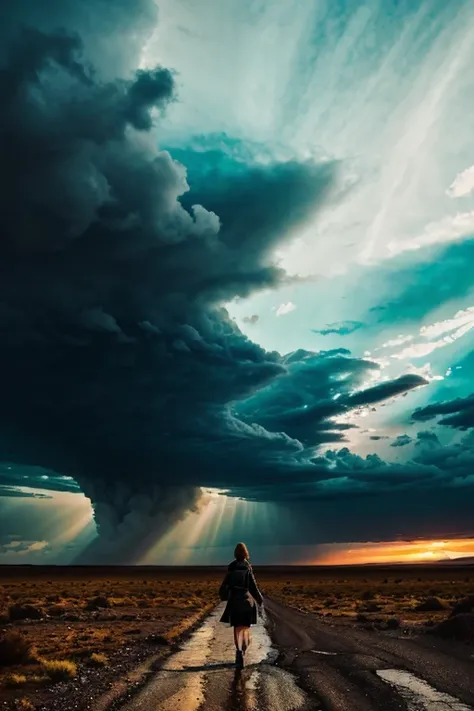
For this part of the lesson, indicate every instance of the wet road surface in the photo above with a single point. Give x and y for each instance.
(311, 664)
(203, 676)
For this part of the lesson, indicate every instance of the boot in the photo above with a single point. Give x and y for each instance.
(239, 659)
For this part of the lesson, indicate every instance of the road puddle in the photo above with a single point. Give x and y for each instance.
(418, 694)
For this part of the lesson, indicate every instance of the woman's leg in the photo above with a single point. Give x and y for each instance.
(239, 636)
(236, 640)
(247, 637)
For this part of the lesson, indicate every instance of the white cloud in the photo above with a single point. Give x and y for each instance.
(463, 184)
(461, 320)
(441, 333)
(398, 341)
(449, 229)
(284, 309)
(418, 350)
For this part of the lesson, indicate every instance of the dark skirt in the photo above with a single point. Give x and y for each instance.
(239, 612)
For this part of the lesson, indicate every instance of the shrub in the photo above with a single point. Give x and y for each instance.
(24, 704)
(25, 612)
(98, 660)
(59, 669)
(464, 605)
(458, 627)
(367, 595)
(14, 649)
(71, 618)
(13, 680)
(393, 623)
(97, 603)
(157, 639)
(431, 604)
(370, 607)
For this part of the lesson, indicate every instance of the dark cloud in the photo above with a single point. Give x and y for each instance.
(402, 441)
(112, 32)
(251, 319)
(121, 363)
(345, 475)
(427, 439)
(420, 512)
(305, 402)
(12, 475)
(341, 328)
(387, 389)
(119, 367)
(460, 412)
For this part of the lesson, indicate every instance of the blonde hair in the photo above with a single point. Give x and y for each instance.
(241, 552)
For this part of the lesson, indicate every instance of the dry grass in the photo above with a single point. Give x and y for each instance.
(59, 669)
(98, 660)
(413, 595)
(56, 621)
(12, 681)
(24, 704)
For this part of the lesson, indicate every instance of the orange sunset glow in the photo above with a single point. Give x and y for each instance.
(417, 551)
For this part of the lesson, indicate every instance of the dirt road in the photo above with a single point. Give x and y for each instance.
(311, 664)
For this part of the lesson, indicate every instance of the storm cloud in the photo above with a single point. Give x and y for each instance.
(119, 366)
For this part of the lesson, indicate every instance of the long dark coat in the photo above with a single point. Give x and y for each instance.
(239, 581)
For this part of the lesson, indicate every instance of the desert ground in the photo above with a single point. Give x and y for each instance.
(77, 638)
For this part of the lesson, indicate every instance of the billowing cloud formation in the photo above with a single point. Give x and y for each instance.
(317, 391)
(120, 361)
(119, 367)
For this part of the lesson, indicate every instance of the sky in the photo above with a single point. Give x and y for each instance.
(237, 295)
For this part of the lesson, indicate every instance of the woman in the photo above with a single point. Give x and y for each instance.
(240, 590)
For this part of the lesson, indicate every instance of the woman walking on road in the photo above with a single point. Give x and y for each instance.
(240, 590)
